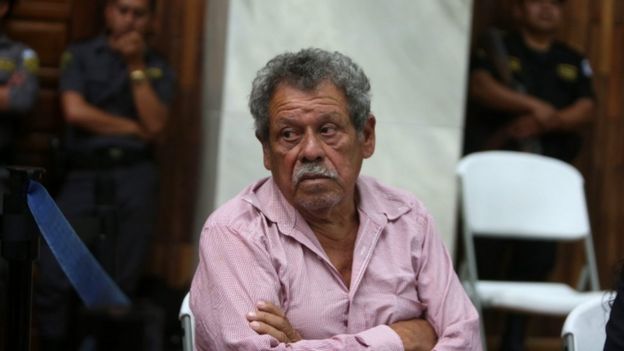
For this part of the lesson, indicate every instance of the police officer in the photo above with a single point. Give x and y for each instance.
(19, 89)
(115, 93)
(528, 92)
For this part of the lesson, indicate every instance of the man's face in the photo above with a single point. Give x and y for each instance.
(313, 151)
(124, 16)
(541, 16)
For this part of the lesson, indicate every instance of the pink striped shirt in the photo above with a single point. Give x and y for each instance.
(258, 247)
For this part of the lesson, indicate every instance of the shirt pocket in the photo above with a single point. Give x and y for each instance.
(98, 83)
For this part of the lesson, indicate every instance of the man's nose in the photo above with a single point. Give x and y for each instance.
(311, 147)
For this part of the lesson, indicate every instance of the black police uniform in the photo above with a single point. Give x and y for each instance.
(111, 178)
(560, 76)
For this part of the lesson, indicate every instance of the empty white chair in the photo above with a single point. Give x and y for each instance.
(517, 195)
(188, 325)
(584, 327)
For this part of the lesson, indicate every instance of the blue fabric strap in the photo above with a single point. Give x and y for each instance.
(94, 286)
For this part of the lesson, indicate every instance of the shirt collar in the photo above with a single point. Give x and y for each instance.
(4, 39)
(380, 203)
(101, 43)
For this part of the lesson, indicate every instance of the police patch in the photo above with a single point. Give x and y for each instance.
(586, 67)
(154, 73)
(31, 61)
(567, 72)
(515, 65)
(66, 59)
(7, 64)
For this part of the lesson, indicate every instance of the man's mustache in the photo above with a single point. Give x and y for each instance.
(312, 170)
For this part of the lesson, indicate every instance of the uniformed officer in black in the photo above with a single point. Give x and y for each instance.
(115, 93)
(528, 92)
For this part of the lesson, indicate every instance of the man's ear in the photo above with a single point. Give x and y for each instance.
(368, 137)
(266, 154)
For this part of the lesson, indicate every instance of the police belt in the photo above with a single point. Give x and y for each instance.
(108, 158)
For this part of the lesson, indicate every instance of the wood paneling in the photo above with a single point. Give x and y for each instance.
(179, 157)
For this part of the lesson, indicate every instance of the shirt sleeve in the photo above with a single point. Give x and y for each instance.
(585, 85)
(449, 310)
(615, 324)
(23, 95)
(162, 80)
(234, 273)
(72, 72)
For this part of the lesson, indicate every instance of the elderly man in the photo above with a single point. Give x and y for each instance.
(317, 257)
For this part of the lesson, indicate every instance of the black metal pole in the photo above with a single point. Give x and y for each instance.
(20, 247)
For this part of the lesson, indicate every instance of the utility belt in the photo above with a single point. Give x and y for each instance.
(108, 158)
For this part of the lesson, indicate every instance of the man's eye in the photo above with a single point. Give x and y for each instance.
(328, 130)
(289, 135)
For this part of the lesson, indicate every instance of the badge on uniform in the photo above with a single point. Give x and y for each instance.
(66, 60)
(586, 67)
(7, 65)
(154, 73)
(515, 65)
(567, 72)
(31, 61)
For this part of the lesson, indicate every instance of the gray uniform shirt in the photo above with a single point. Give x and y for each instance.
(18, 68)
(100, 75)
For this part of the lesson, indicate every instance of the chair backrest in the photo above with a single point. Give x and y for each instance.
(522, 195)
(188, 324)
(584, 327)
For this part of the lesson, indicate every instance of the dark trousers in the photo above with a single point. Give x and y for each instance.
(133, 200)
(517, 260)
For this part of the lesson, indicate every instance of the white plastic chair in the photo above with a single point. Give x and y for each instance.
(524, 196)
(188, 325)
(584, 327)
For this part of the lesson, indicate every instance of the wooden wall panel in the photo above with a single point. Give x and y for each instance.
(182, 41)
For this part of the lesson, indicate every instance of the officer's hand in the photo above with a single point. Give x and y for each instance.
(269, 319)
(544, 113)
(132, 47)
(523, 127)
(416, 334)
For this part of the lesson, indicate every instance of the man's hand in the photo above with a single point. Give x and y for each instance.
(544, 113)
(416, 334)
(270, 319)
(523, 127)
(132, 47)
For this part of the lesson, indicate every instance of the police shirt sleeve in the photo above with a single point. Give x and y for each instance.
(162, 79)
(585, 87)
(72, 72)
(23, 93)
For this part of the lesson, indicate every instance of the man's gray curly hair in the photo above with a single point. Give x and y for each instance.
(305, 70)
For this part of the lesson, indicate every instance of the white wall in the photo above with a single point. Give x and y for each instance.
(414, 52)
